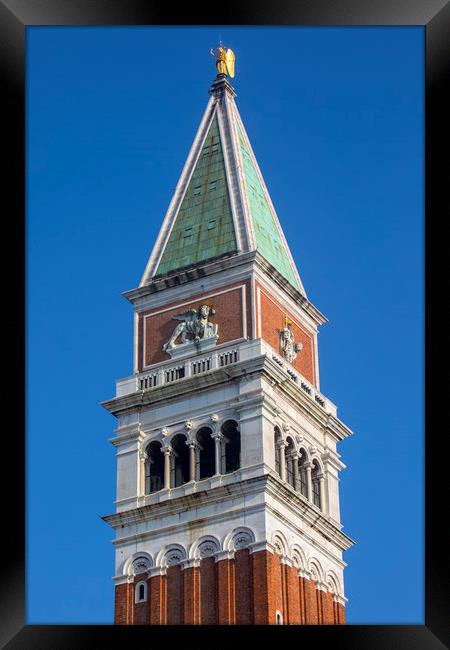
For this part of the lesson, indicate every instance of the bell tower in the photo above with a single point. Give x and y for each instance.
(227, 506)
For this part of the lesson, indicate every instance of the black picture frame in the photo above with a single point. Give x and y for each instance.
(15, 16)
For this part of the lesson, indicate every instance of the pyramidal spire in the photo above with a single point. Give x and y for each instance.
(221, 205)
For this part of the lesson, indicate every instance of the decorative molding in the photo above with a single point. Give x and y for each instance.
(263, 545)
(242, 540)
(224, 555)
(190, 563)
(273, 487)
(157, 571)
(207, 548)
(173, 556)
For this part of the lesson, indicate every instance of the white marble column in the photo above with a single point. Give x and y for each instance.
(218, 437)
(192, 459)
(282, 445)
(167, 457)
(322, 492)
(294, 458)
(142, 459)
(309, 481)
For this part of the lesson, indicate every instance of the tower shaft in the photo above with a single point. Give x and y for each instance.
(227, 508)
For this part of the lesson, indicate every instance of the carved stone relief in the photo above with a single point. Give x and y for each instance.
(288, 346)
(140, 565)
(208, 548)
(241, 540)
(194, 328)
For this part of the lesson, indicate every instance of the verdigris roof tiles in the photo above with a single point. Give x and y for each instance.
(204, 226)
(221, 205)
(267, 236)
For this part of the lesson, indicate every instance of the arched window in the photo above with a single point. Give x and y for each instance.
(180, 461)
(315, 471)
(290, 450)
(302, 473)
(277, 440)
(279, 618)
(205, 456)
(154, 468)
(232, 440)
(140, 592)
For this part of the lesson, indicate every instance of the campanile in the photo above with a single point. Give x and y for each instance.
(227, 504)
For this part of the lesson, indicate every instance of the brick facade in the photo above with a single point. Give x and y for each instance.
(271, 320)
(245, 590)
(156, 326)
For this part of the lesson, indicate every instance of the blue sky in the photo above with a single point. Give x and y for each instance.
(335, 116)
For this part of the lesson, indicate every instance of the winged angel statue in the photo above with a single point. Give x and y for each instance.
(194, 322)
(225, 60)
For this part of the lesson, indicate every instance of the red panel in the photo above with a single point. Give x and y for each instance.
(273, 318)
(208, 587)
(158, 600)
(174, 596)
(244, 605)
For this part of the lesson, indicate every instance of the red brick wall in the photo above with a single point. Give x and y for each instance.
(208, 591)
(122, 609)
(243, 575)
(319, 601)
(302, 588)
(273, 317)
(174, 596)
(341, 613)
(158, 600)
(263, 593)
(191, 597)
(159, 325)
(246, 590)
(293, 596)
(225, 592)
(312, 614)
(277, 586)
(141, 610)
(328, 608)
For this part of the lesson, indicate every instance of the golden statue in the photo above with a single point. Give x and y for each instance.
(225, 61)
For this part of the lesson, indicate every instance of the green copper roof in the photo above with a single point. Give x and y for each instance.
(268, 239)
(204, 226)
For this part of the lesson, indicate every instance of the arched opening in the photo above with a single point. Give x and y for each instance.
(315, 471)
(277, 440)
(303, 459)
(290, 451)
(279, 618)
(140, 592)
(206, 454)
(154, 468)
(232, 443)
(180, 461)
